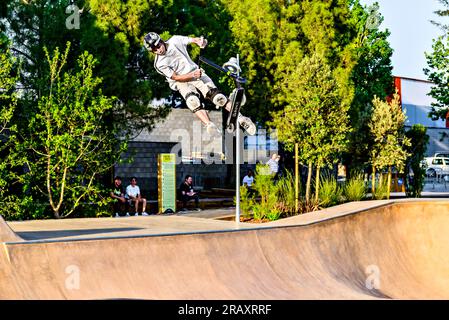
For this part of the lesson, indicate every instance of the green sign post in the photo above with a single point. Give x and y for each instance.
(166, 182)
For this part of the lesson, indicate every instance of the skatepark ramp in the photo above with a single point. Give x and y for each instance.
(394, 250)
(6, 234)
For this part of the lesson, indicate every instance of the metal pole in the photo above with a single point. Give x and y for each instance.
(237, 163)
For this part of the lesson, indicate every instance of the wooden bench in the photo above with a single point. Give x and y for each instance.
(205, 203)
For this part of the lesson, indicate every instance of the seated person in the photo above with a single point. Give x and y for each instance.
(187, 193)
(134, 197)
(118, 194)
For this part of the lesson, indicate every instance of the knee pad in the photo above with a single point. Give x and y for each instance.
(193, 102)
(220, 100)
(217, 98)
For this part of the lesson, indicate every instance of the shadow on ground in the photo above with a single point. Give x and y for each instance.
(50, 234)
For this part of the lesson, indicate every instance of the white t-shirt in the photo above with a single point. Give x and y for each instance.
(176, 59)
(248, 180)
(274, 166)
(132, 191)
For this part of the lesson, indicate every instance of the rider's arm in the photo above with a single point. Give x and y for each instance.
(201, 42)
(191, 76)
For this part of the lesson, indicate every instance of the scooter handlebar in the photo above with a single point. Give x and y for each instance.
(219, 68)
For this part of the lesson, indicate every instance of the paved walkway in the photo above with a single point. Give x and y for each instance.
(189, 222)
(86, 228)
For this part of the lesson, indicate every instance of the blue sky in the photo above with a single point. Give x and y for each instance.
(411, 33)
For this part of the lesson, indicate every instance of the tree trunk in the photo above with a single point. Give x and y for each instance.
(309, 179)
(296, 178)
(373, 182)
(389, 182)
(317, 184)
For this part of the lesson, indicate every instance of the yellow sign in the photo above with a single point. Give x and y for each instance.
(166, 182)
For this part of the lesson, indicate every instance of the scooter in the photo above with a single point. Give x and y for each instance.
(237, 95)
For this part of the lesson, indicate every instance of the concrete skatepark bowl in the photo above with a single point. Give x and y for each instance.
(386, 250)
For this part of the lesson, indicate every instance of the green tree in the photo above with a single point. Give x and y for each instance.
(390, 143)
(442, 13)
(438, 68)
(254, 28)
(371, 76)
(8, 97)
(66, 146)
(8, 101)
(417, 150)
(438, 73)
(112, 31)
(273, 36)
(316, 117)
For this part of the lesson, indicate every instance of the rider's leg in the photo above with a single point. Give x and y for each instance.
(211, 92)
(192, 98)
(203, 116)
(220, 100)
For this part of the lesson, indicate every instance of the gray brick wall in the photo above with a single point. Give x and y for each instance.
(183, 134)
(180, 126)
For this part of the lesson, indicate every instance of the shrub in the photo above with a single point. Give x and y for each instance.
(286, 194)
(246, 201)
(355, 189)
(258, 212)
(308, 206)
(26, 208)
(381, 190)
(267, 190)
(330, 193)
(273, 214)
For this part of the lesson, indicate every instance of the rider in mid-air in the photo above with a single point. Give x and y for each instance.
(173, 61)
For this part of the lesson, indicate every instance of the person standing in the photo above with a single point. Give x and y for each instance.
(173, 61)
(248, 180)
(134, 196)
(274, 163)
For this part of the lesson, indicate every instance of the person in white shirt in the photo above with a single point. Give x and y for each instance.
(173, 61)
(248, 181)
(274, 163)
(134, 196)
(249, 178)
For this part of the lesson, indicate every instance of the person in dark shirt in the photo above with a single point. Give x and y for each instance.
(118, 194)
(187, 193)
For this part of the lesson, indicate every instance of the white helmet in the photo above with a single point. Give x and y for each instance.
(151, 40)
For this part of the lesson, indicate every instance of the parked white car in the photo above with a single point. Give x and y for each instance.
(441, 154)
(437, 165)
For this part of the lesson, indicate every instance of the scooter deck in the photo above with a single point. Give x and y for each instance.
(236, 103)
